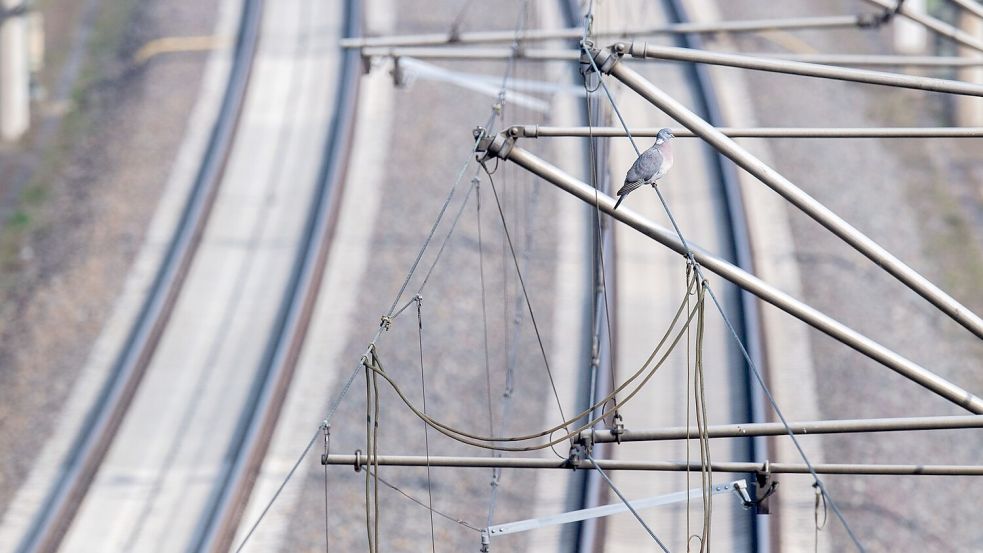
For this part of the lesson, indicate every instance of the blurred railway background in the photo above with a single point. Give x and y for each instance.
(315, 194)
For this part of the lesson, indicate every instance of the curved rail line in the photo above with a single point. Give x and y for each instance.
(748, 317)
(262, 409)
(103, 421)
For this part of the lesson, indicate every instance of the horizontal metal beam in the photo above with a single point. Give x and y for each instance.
(504, 147)
(662, 466)
(942, 28)
(542, 131)
(470, 54)
(904, 424)
(573, 33)
(796, 196)
(451, 53)
(643, 50)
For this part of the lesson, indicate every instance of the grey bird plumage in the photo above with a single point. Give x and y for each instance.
(651, 166)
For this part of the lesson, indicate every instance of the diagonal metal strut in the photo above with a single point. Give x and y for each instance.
(608, 62)
(502, 146)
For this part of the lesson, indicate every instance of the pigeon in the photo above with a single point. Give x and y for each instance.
(651, 166)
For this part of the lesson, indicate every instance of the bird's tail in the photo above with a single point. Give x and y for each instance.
(620, 198)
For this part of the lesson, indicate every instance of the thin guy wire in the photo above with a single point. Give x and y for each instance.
(447, 237)
(484, 309)
(351, 378)
(525, 293)
(628, 504)
(462, 522)
(726, 319)
(426, 431)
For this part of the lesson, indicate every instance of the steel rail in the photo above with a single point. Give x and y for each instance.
(260, 413)
(788, 67)
(777, 182)
(542, 131)
(451, 53)
(904, 424)
(944, 29)
(106, 416)
(360, 461)
(573, 33)
(503, 147)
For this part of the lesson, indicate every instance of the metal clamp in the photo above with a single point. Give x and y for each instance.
(327, 442)
(580, 450)
(618, 430)
(764, 487)
(358, 460)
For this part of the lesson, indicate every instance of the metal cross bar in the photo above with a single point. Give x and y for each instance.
(605, 510)
(452, 53)
(661, 466)
(971, 6)
(541, 131)
(777, 182)
(504, 147)
(944, 29)
(778, 429)
(472, 37)
(774, 65)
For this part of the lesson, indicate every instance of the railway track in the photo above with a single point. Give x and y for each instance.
(230, 485)
(591, 535)
(102, 423)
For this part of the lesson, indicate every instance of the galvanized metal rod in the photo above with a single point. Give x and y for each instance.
(971, 6)
(452, 53)
(664, 466)
(904, 424)
(823, 215)
(472, 37)
(504, 147)
(944, 29)
(643, 50)
(885, 61)
(542, 131)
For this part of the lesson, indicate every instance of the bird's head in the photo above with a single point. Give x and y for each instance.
(663, 136)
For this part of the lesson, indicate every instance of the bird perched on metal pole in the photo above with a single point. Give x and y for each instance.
(651, 166)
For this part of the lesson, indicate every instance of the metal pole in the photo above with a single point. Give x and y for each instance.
(778, 429)
(943, 29)
(823, 215)
(901, 61)
(970, 6)
(545, 54)
(663, 466)
(789, 67)
(538, 131)
(436, 39)
(505, 148)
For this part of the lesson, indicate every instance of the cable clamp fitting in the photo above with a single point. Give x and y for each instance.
(580, 450)
(618, 429)
(327, 442)
(358, 460)
(764, 487)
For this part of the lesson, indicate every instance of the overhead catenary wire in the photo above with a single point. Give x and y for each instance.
(688, 253)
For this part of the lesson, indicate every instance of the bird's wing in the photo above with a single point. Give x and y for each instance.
(645, 167)
(629, 186)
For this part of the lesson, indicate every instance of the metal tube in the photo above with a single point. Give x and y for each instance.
(505, 148)
(665, 466)
(435, 39)
(970, 5)
(795, 68)
(538, 131)
(901, 61)
(932, 23)
(823, 215)
(778, 429)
